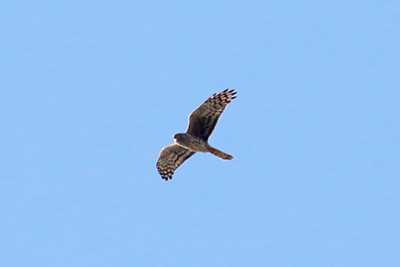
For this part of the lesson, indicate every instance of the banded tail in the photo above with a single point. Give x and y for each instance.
(219, 153)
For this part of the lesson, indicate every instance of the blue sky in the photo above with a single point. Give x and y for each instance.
(90, 92)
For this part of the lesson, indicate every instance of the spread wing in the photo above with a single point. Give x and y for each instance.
(171, 157)
(204, 119)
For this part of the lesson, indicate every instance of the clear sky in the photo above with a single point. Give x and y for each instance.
(91, 91)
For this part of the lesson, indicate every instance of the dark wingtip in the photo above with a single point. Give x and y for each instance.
(233, 93)
(167, 178)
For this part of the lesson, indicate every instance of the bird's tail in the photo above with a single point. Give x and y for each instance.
(219, 153)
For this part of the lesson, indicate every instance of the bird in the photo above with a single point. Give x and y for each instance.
(201, 125)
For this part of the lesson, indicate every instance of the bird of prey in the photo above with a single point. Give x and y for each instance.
(201, 125)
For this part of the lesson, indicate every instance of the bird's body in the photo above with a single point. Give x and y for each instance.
(190, 142)
(201, 125)
(196, 144)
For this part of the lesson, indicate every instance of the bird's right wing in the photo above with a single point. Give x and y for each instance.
(171, 157)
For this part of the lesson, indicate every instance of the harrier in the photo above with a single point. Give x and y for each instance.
(201, 125)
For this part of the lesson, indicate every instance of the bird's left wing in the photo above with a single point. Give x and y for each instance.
(204, 119)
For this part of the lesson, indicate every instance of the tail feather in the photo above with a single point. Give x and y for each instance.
(219, 153)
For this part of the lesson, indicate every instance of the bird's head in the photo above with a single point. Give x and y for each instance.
(178, 136)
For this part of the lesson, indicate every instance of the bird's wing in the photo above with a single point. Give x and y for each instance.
(203, 120)
(171, 157)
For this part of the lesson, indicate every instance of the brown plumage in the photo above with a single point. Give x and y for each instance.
(201, 125)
